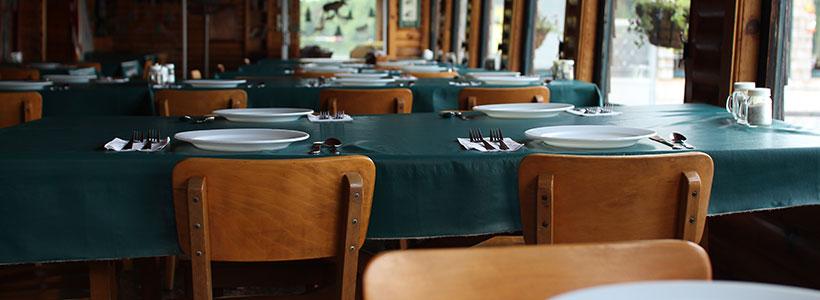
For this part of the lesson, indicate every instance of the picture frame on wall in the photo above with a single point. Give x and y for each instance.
(409, 13)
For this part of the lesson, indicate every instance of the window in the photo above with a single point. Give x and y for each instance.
(645, 59)
(800, 93)
(495, 34)
(336, 27)
(549, 31)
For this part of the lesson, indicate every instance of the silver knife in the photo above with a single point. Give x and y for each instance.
(665, 142)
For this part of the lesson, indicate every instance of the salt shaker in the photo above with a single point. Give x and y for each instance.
(758, 107)
(171, 76)
(736, 101)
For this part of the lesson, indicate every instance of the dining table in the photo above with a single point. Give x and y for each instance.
(65, 198)
(135, 98)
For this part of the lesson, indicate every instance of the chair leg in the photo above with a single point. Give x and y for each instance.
(170, 272)
(103, 280)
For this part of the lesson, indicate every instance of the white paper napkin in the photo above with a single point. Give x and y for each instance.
(117, 144)
(581, 111)
(467, 144)
(315, 118)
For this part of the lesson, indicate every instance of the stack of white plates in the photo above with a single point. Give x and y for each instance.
(589, 136)
(263, 115)
(242, 140)
(23, 85)
(479, 75)
(329, 60)
(46, 65)
(362, 75)
(508, 80)
(424, 69)
(60, 78)
(363, 81)
(395, 64)
(523, 110)
(215, 83)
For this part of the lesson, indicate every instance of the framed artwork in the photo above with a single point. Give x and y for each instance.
(409, 13)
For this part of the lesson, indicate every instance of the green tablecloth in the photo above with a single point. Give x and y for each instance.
(129, 99)
(66, 199)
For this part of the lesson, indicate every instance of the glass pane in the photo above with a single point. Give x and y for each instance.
(337, 27)
(496, 31)
(646, 51)
(549, 31)
(800, 94)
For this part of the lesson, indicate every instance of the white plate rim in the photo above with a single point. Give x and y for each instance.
(215, 81)
(182, 136)
(618, 288)
(230, 112)
(505, 107)
(530, 133)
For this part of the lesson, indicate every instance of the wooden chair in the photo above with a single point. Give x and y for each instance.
(19, 74)
(307, 75)
(529, 272)
(469, 97)
(198, 102)
(367, 101)
(448, 75)
(580, 198)
(17, 108)
(274, 211)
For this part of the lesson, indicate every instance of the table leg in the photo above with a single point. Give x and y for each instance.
(103, 280)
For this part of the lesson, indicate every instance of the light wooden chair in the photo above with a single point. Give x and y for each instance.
(274, 211)
(197, 102)
(579, 198)
(196, 74)
(17, 108)
(434, 75)
(19, 74)
(469, 97)
(529, 272)
(367, 101)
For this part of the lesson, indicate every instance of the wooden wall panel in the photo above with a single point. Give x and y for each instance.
(407, 42)
(60, 44)
(31, 25)
(747, 40)
(708, 62)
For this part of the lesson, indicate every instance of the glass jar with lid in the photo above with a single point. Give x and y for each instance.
(758, 108)
(735, 102)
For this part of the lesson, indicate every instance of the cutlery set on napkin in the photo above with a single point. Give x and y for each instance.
(326, 116)
(152, 141)
(495, 143)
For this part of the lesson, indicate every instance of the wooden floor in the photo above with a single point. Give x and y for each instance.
(780, 246)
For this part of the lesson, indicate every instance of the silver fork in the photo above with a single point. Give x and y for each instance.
(130, 144)
(497, 136)
(152, 136)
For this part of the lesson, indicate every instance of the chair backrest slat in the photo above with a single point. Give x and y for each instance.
(20, 107)
(469, 97)
(529, 272)
(19, 74)
(198, 102)
(367, 101)
(580, 198)
(433, 74)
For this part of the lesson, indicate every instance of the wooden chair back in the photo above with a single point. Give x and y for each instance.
(367, 101)
(529, 272)
(434, 75)
(580, 198)
(17, 108)
(197, 102)
(271, 211)
(19, 74)
(307, 75)
(469, 97)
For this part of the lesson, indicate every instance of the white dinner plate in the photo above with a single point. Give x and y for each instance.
(508, 80)
(589, 136)
(523, 110)
(61, 78)
(215, 83)
(263, 115)
(424, 69)
(363, 81)
(242, 140)
(16, 85)
(493, 74)
(329, 60)
(46, 65)
(362, 75)
(329, 69)
(691, 289)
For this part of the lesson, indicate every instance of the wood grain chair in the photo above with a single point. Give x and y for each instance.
(17, 108)
(579, 199)
(367, 101)
(469, 97)
(529, 272)
(274, 211)
(196, 74)
(449, 75)
(19, 74)
(197, 102)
